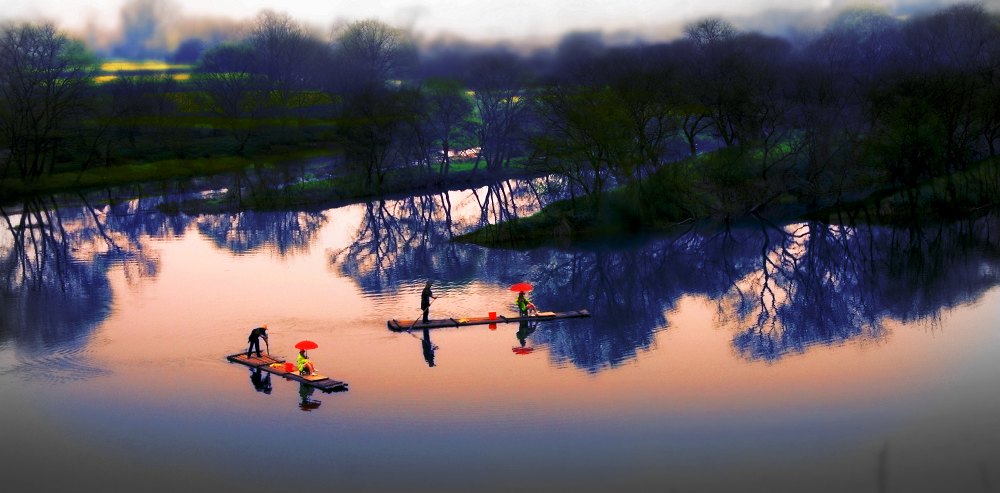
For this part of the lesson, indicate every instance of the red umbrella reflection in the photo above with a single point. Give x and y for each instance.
(522, 350)
(306, 345)
(521, 286)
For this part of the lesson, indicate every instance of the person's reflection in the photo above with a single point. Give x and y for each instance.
(261, 380)
(429, 347)
(524, 330)
(305, 393)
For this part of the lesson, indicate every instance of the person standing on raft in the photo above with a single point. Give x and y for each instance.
(425, 300)
(255, 336)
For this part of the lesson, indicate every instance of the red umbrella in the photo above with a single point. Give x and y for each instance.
(521, 286)
(306, 345)
(522, 350)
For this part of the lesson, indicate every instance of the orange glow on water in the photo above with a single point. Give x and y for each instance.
(685, 390)
(198, 310)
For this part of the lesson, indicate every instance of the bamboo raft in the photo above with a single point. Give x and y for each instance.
(277, 367)
(401, 325)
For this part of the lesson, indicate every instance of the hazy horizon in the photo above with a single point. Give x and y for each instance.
(510, 21)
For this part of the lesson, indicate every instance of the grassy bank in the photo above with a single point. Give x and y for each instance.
(712, 188)
(965, 194)
(349, 187)
(666, 198)
(148, 172)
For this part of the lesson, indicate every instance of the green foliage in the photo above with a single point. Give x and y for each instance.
(45, 79)
(968, 193)
(125, 174)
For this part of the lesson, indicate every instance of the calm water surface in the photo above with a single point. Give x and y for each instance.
(799, 357)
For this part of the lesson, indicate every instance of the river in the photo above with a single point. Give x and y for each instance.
(762, 357)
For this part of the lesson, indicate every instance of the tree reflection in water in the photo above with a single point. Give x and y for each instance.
(823, 284)
(408, 240)
(244, 232)
(502, 202)
(54, 263)
(805, 290)
(779, 289)
(630, 290)
(403, 240)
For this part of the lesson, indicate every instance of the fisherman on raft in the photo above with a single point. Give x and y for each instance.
(255, 336)
(425, 300)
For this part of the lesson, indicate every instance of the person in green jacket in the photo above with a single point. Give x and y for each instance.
(305, 366)
(524, 305)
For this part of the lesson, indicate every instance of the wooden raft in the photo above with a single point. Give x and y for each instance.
(401, 325)
(265, 362)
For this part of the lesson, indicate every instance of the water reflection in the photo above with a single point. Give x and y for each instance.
(55, 289)
(138, 219)
(806, 290)
(500, 203)
(525, 329)
(394, 242)
(823, 284)
(282, 232)
(779, 289)
(428, 348)
(402, 241)
(627, 292)
(306, 401)
(261, 380)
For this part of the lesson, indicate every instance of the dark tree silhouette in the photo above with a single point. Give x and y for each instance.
(44, 83)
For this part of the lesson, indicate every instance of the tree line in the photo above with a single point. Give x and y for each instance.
(869, 102)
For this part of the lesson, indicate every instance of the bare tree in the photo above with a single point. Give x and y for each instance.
(709, 31)
(498, 80)
(286, 56)
(380, 132)
(380, 115)
(44, 77)
(371, 54)
(448, 108)
(231, 89)
(585, 138)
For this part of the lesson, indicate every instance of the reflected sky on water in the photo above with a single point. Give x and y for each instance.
(762, 357)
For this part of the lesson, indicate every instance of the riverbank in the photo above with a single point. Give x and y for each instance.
(342, 187)
(310, 178)
(149, 173)
(678, 195)
(968, 194)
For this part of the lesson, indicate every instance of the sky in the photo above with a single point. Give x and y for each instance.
(474, 20)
